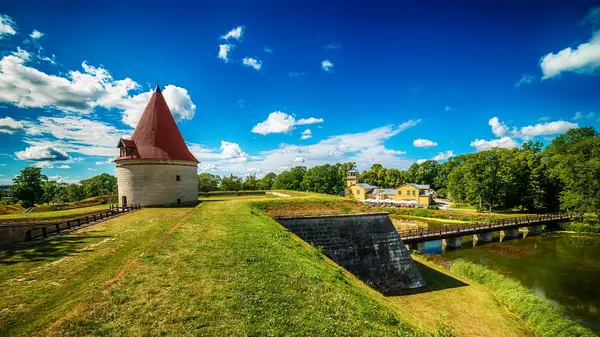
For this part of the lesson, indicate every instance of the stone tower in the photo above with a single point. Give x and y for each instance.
(351, 178)
(155, 167)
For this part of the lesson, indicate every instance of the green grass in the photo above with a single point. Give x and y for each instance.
(539, 315)
(222, 269)
(51, 215)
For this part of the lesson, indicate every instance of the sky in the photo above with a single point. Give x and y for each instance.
(263, 86)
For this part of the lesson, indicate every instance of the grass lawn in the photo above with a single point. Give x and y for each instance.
(51, 215)
(220, 269)
(467, 306)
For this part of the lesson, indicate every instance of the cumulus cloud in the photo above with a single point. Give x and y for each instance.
(592, 16)
(443, 155)
(499, 129)
(268, 50)
(81, 92)
(7, 26)
(299, 160)
(543, 129)
(235, 33)
(63, 167)
(525, 79)
(254, 63)
(280, 122)
(36, 34)
(10, 126)
(224, 50)
(296, 74)
(584, 59)
(307, 134)
(424, 143)
(327, 66)
(504, 142)
(42, 153)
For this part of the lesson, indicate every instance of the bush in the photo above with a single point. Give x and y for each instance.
(579, 227)
(539, 315)
(434, 207)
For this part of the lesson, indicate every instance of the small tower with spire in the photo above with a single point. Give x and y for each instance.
(155, 167)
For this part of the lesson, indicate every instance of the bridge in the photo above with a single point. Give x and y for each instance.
(481, 231)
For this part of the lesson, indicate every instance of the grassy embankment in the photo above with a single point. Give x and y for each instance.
(219, 269)
(51, 216)
(537, 314)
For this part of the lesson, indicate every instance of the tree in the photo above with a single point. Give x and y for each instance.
(267, 181)
(50, 189)
(102, 184)
(75, 192)
(208, 182)
(250, 183)
(231, 183)
(322, 179)
(27, 186)
(290, 179)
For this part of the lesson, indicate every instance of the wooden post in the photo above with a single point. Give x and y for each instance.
(44, 231)
(58, 228)
(78, 221)
(28, 235)
(69, 224)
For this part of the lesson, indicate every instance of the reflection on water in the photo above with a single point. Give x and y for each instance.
(561, 267)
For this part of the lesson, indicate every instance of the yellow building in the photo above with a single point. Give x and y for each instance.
(360, 191)
(420, 195)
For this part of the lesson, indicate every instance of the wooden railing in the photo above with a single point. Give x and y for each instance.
(57, 228)
(431, 234)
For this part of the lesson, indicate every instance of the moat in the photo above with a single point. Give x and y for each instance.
(561, 267)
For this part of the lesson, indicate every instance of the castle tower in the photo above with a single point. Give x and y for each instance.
(155, 167)
(351, 178)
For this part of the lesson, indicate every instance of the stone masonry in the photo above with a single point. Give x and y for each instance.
(151, 182)
(366, 245)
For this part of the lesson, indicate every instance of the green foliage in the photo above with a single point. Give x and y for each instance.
(251, 183)
(208, 182)
(266, 182)
(322, 179)
(290, 179)
(539, 315)
(231, 183)
(27, 186)
(102, 184)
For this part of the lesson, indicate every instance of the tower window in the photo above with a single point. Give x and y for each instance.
(178, 200)
(178, 178)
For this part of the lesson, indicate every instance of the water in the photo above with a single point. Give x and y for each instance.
(561, 267)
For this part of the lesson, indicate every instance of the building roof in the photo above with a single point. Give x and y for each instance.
(365, 185)
(156, 135)
(418, 186)
(384, 191)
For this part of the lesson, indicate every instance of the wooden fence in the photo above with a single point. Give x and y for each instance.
(57, 228)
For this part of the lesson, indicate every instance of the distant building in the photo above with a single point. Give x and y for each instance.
(414, 195)
(155, 166)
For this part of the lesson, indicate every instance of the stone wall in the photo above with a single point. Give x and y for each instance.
(154, 182)
(367, 245)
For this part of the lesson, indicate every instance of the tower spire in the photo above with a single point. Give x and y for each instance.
(157, 86)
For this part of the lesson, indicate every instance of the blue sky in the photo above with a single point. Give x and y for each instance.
(377, 82)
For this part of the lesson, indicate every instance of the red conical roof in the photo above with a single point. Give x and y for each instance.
(156, 135)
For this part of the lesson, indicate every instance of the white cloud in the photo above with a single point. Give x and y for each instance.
(106, 162)
(268, 50)
(307, 134)
(365, 148)
(10, 126)
(7, 26)
(592, 16)
(499, 129)
(543, 129)
(578, 115)
(81, 92)
(36, 34)
(504, 142)
(91, 169)
(424, 143)
(280, 122)
(63, 167)
(447, 108)
(335, 45)
(42, 153)
(235, 33)
(327, 66)
(525, 79)
(443, 155)
(224, 50)
(584, 59)
(254, 63)
(296, 74)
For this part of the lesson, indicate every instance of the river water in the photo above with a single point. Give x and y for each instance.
(561, 267)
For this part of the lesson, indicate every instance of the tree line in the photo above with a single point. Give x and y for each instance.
(32, 187)
(565, 175)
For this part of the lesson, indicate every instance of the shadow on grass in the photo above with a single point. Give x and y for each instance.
(50, 250)
(435, 281)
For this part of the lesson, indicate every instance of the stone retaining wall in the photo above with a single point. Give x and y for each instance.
(367, 245)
